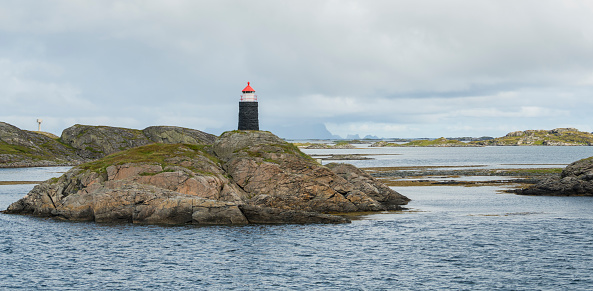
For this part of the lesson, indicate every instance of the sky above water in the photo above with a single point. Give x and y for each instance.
(384, 68)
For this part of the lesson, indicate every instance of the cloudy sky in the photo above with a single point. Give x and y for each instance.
(421, 68)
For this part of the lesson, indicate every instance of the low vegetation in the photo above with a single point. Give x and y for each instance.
(446, 176)
(156, 153)
(34, 154)
(338, 145)
(554, 137)
(439, 142)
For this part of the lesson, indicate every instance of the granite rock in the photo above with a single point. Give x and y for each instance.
(22, 148)
(575, 180)
(243, 177)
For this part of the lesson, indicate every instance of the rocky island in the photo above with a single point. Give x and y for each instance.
(337, 145)
(439, 142)
(554, 137)
(575, 180)
(240, 177)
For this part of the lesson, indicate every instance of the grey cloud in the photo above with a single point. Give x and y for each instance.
(117, 56)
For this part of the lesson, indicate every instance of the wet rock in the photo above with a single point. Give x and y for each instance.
(364, 183)
(268, 215)
(575, 180)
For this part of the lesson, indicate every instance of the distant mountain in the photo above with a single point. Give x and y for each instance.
(301, 131)
(371, 137)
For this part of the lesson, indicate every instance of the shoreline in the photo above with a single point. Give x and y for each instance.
(425, 176)
(19, 182)
(466, 176)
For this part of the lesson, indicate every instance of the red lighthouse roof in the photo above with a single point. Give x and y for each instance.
(248, 88)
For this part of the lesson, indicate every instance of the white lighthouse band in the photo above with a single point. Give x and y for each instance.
(248, 94)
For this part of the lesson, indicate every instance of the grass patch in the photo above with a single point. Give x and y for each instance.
(50, 135)
(48, 151)
(568, 136)
(474, 170)
(149, 154)
(25, 152)
(205, 150)
(287, 148)
(432, 143)
(6, 148)
(439, 142)
(535, 172)
(292, 149)
(337, 145)
(425, 183)
(155, 173)
(92, 150)
(343, 142)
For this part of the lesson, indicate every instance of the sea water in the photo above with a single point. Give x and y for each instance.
(492, 157)
(461, 238)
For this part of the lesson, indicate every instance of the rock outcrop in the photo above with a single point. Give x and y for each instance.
(174, 134)
(554, 137)
(82, 143)
(93, 142)
(243, 177)
(22, 148)
(439, 142)
(575, 180)
(326, 146)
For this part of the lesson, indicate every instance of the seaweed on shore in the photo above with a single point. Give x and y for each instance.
(454, 176)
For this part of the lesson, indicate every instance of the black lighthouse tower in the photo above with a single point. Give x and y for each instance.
(248, 112)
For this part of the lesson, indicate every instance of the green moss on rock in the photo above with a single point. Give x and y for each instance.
(148, 154)
(554, 137)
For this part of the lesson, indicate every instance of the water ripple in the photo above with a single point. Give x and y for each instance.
(464, 239)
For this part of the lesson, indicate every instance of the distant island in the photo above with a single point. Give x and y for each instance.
(554, 137)
(439, 142)
(337, 145)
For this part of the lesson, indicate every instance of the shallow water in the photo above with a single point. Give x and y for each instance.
(31, 174)
(491, 157)
(452, 238)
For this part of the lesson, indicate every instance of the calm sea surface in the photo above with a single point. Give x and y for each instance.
(460, 238)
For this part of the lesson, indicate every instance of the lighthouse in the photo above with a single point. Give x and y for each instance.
(248, 112)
